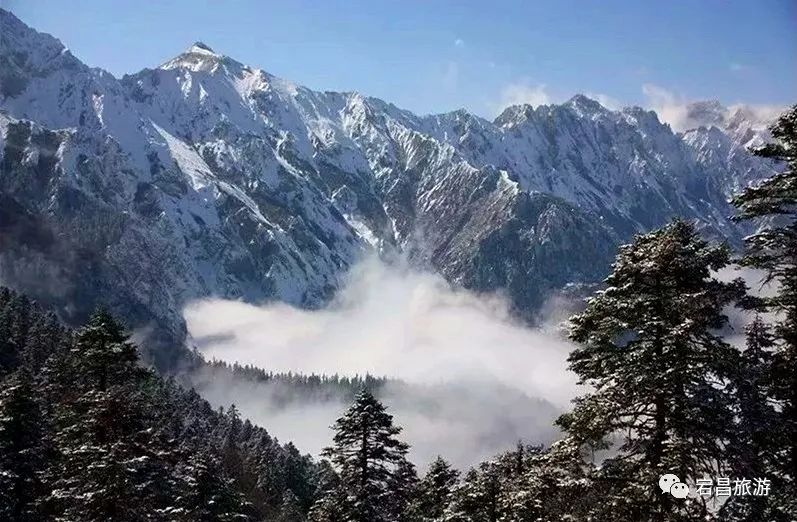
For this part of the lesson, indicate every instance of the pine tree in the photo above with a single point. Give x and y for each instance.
(230, 452)
(478, 496)
(436, 490)
(14, 324)
(103, 352)
(330, 507)
(658, 371)
(205, 493)
(87, 434)
(331, 498)
(112, 460)
(22, 450)
(403, 487)
(773, 249)
(291, 509)
(297, 473)
(755, 447)
(112, 464)
(555, 485)
(365, 452)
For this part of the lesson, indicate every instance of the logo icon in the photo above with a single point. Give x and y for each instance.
(671, 484)
(679, 490)
(666, 482)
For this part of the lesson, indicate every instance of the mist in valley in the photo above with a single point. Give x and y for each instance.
(466, 380)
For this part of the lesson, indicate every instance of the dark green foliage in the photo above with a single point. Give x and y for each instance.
(295, 387)
(330, 504)
(290, 510)
(87, 433)
(758, 442)
(205, 493)
(772, 204)
(528, 484)
(478, 497)
(658, 370)
(367, 456)
(436, 490)
(102, 353)
(22, 449)
(402, 486)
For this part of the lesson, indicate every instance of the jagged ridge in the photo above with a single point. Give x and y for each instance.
(205, 176)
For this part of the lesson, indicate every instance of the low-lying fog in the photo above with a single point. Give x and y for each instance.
(474, 381)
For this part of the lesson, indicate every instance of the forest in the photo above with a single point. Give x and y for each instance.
(87, 432)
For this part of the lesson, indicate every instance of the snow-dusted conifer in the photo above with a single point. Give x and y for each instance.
(658, 371)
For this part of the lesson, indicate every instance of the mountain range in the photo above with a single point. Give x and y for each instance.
(207, 177)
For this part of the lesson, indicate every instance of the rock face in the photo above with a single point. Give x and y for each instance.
(205, 177)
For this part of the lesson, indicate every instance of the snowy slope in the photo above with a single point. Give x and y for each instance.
(204, 176)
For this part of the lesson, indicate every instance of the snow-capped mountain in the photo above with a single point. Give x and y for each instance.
(205, 176)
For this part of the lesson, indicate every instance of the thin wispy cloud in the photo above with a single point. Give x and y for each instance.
(522, 93)
(459, 42)
(607, 101)
(680, 111)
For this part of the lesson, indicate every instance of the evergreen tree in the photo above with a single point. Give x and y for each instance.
(403, 487)
(14, 324)
(555, 485)
(658, 371)
(755, 444)
(436, 489)
(291, 509)
(88, 434)
(230, 453)
(365, 452)
(328, 507)
(296, 469)
(206, 494)
(113, 462)
(773, 249)
(45, 339)
(478, 496)
(22, 457)
(103, 353)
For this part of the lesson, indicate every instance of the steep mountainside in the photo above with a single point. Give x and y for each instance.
(87, 434)
(205, 176)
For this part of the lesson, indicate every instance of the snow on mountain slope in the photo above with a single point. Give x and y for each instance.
(205, 176)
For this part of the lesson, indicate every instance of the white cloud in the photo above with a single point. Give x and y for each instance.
(523, 92)
(760, 115)
(670, 107)
(605, 100)
(389, 321)
(683, 114)
(477, 381)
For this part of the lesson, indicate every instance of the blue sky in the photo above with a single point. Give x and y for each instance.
(434, 56)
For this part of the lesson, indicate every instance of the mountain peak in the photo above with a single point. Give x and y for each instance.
(201, 48)
(198, 57)
(706, 113)
(514, 115)
(585, 104)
